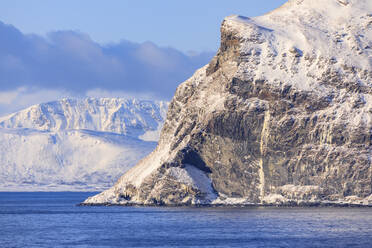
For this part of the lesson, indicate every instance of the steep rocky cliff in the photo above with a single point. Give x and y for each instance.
(281, 115)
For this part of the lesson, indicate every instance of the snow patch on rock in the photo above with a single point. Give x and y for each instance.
(193, 177)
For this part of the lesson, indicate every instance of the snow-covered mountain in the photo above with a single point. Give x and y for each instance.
(76, 144)
(281, 115)
(141, 119)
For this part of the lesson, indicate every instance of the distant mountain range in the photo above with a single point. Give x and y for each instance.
(76, 144)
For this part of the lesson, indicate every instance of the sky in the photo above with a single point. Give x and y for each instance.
(116, 48)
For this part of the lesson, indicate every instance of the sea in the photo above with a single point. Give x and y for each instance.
(53, 219)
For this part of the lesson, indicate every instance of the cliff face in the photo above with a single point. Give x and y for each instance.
(282, 114)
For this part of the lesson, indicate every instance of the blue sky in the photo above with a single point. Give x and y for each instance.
(117, 48)
(185, 25)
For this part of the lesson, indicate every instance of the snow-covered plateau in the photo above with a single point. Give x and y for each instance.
(76, 144)
(281, 115)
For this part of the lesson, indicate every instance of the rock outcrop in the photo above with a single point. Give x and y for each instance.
(281, 115)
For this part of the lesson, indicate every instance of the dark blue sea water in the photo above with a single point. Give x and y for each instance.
(54, 220)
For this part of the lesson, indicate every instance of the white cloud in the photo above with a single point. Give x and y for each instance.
(71, 61)
(20, 98)
(99, 93)
(37, 69)
(7, 97)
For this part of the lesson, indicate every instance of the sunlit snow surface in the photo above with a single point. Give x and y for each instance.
(76, 144)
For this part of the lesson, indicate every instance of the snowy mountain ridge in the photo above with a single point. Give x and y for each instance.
(76, 144)
(136, 118)
(336, 32)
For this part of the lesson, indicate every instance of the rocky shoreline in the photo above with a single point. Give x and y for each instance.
(253, 205)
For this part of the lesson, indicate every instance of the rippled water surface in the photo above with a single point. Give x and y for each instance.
(54, 220)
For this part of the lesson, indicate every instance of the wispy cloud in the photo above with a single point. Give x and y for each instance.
(19, 98)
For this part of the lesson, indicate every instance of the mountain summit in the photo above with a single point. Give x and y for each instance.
(281, 115)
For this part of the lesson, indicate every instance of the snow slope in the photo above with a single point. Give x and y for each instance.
(76, 144)
(320, 31)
